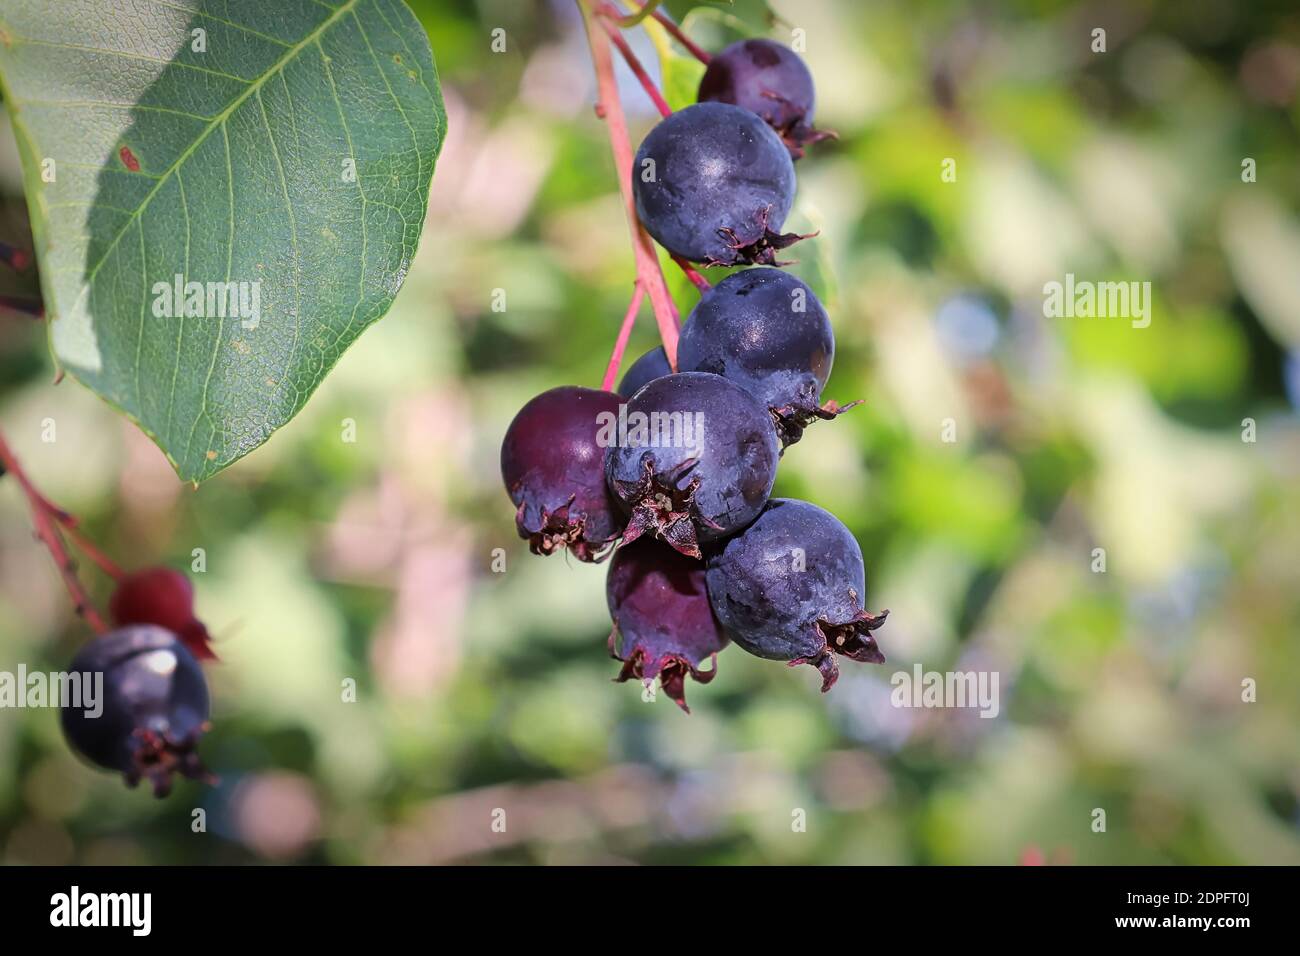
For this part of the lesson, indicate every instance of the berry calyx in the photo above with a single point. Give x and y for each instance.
(765, 330)
(164, 597)
(769, 80)
(154, 707)
(696, 463)
(554, 471)
(713, 184)
(663, 624)
(790, 587)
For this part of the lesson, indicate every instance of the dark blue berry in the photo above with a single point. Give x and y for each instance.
(713, 184)
(770, 80)
(765, 330)
(697, 461)
(791, 587)
(663, 625)
(652, 365)
(154, 706)
(554, 472)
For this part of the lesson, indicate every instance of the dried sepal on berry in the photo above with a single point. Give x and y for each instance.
(663, 508)
(158, 756)
(852, 639)
(756, 244)
(791, 420)
(663, 625)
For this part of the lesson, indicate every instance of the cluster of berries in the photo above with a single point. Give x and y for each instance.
(155, 697)
(680, 491)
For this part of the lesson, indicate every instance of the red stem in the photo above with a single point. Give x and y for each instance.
(44, 518)
(635, 66)
(649, 274)
(680, 36)
(701, 283)
(69, 523)
(106, 564)
(624, 333)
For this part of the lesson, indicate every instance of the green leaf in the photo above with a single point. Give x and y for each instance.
(213, 140)
(744, 17)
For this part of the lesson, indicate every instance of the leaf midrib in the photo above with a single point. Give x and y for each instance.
(217, 121)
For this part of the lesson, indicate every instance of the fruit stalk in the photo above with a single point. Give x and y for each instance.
(634, 64)
(633, 19)
(701, 283)
(610, 109)
(624, 333)
(45, 522)
(676, 32)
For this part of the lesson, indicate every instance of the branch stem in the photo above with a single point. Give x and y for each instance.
(678, 34)
(634, 64)
(632, 19)
(45, 521)
(624, 333)
(701, 283)
(608, 106)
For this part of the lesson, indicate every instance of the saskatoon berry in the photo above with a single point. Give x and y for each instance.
(652, 365)
(163, 597)
(770, 80)
(554, 472)
(155, 707)
(663, 625)
(697, 460)
(790, 588)
(765, 330)
(713, 184)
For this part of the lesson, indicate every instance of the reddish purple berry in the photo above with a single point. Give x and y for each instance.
(663, 625)
(790, 587)
(164, 597)
(554, 472)
(770, 80)
(154, 707)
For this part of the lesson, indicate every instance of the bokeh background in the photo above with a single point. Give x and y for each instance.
(372, 560)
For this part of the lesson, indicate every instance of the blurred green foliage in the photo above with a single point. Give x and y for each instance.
(479, 691)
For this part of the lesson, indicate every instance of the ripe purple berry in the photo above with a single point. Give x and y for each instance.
(652, 365)
(790, 588)
(770, 80)
(663, 625)
(713, 184)
(554, 472)
(765, 330)
(697, 461)
(155, 707)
